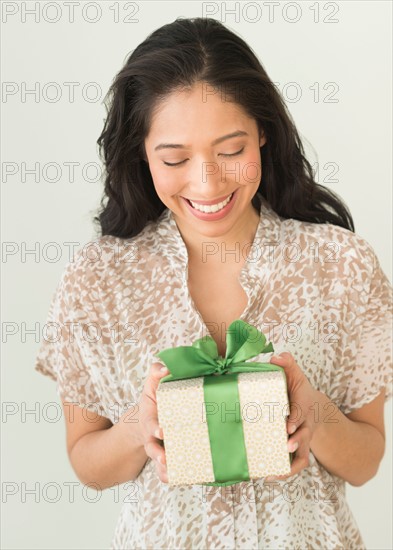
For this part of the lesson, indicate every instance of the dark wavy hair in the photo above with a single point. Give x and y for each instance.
(176, 56)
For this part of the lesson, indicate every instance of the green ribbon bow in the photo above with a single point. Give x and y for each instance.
(227, 444)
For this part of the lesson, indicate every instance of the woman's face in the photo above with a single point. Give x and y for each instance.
(194, 154)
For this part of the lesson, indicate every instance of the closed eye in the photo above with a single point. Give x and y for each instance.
(233, 154)
(177, 163)
(222, 154)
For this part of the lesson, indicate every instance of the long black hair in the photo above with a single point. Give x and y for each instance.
(178, 55)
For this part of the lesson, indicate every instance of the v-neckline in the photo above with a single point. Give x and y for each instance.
(182, 261)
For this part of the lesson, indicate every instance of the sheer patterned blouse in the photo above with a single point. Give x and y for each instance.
(315, 290)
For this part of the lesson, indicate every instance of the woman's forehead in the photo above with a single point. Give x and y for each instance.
(184, 113)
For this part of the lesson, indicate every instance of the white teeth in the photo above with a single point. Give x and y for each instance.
(211, 208)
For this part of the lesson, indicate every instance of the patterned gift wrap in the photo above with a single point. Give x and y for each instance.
(223, 419)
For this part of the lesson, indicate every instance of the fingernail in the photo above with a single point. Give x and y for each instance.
(292, 428)
(160, 460)
(157, 433)
(293, 446)
(163, 369)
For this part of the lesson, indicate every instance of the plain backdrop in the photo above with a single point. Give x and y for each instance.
(336, 80)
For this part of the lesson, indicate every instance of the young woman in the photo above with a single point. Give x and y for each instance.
(211, 214)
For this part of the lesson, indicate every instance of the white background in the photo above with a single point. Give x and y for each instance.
(354, 133)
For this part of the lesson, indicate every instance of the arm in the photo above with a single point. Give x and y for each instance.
(101, 452)
(350, 446)
(108, 454)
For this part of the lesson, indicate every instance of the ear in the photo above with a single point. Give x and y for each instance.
(262, 139)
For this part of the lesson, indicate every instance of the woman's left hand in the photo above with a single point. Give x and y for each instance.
(302, 401)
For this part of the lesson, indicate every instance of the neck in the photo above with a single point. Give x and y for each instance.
(218, 250)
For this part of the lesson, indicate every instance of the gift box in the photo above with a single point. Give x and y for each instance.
(223, 418)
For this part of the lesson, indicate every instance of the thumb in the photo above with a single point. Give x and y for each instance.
(283, 358)
(157, 371)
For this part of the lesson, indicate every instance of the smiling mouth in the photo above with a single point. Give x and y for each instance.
(210, 203)
(211, 208)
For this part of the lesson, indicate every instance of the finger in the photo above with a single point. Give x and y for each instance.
(153, 429)
(161, 472)
(151, 425)
(292, 446)
(285, 359)
(155, 451)
(302, 454)
(157, 371)
(299, 444)
(296, 417)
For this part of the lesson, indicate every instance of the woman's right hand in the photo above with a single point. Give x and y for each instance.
(150, 431)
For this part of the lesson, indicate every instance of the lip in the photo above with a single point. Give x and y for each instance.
(216, 215)
(210, 203)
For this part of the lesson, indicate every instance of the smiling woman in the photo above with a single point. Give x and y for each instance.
(171, 111)
(215, 177)
(203, 161)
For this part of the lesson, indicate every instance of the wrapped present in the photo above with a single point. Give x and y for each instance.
(223, 418)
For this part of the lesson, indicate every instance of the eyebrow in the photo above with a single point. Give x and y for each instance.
(238, 133)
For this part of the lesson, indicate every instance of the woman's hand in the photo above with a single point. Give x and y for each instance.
(148, 417)
(300, 422)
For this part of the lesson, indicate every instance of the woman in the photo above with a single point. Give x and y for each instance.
(212, 214)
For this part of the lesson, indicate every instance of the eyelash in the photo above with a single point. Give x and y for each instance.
(224, 155)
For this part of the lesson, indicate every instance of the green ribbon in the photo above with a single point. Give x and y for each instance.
(243, 341)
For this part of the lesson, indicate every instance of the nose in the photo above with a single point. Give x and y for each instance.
(210, 181)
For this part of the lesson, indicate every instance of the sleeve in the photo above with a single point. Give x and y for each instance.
(371, 368)
(61, 354)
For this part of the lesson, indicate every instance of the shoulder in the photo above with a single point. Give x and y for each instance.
(330, 244)
(104, 261)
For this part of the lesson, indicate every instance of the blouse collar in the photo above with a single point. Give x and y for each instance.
(172, 245)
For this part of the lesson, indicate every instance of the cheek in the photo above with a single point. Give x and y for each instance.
(164, 183)
(251, 169)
